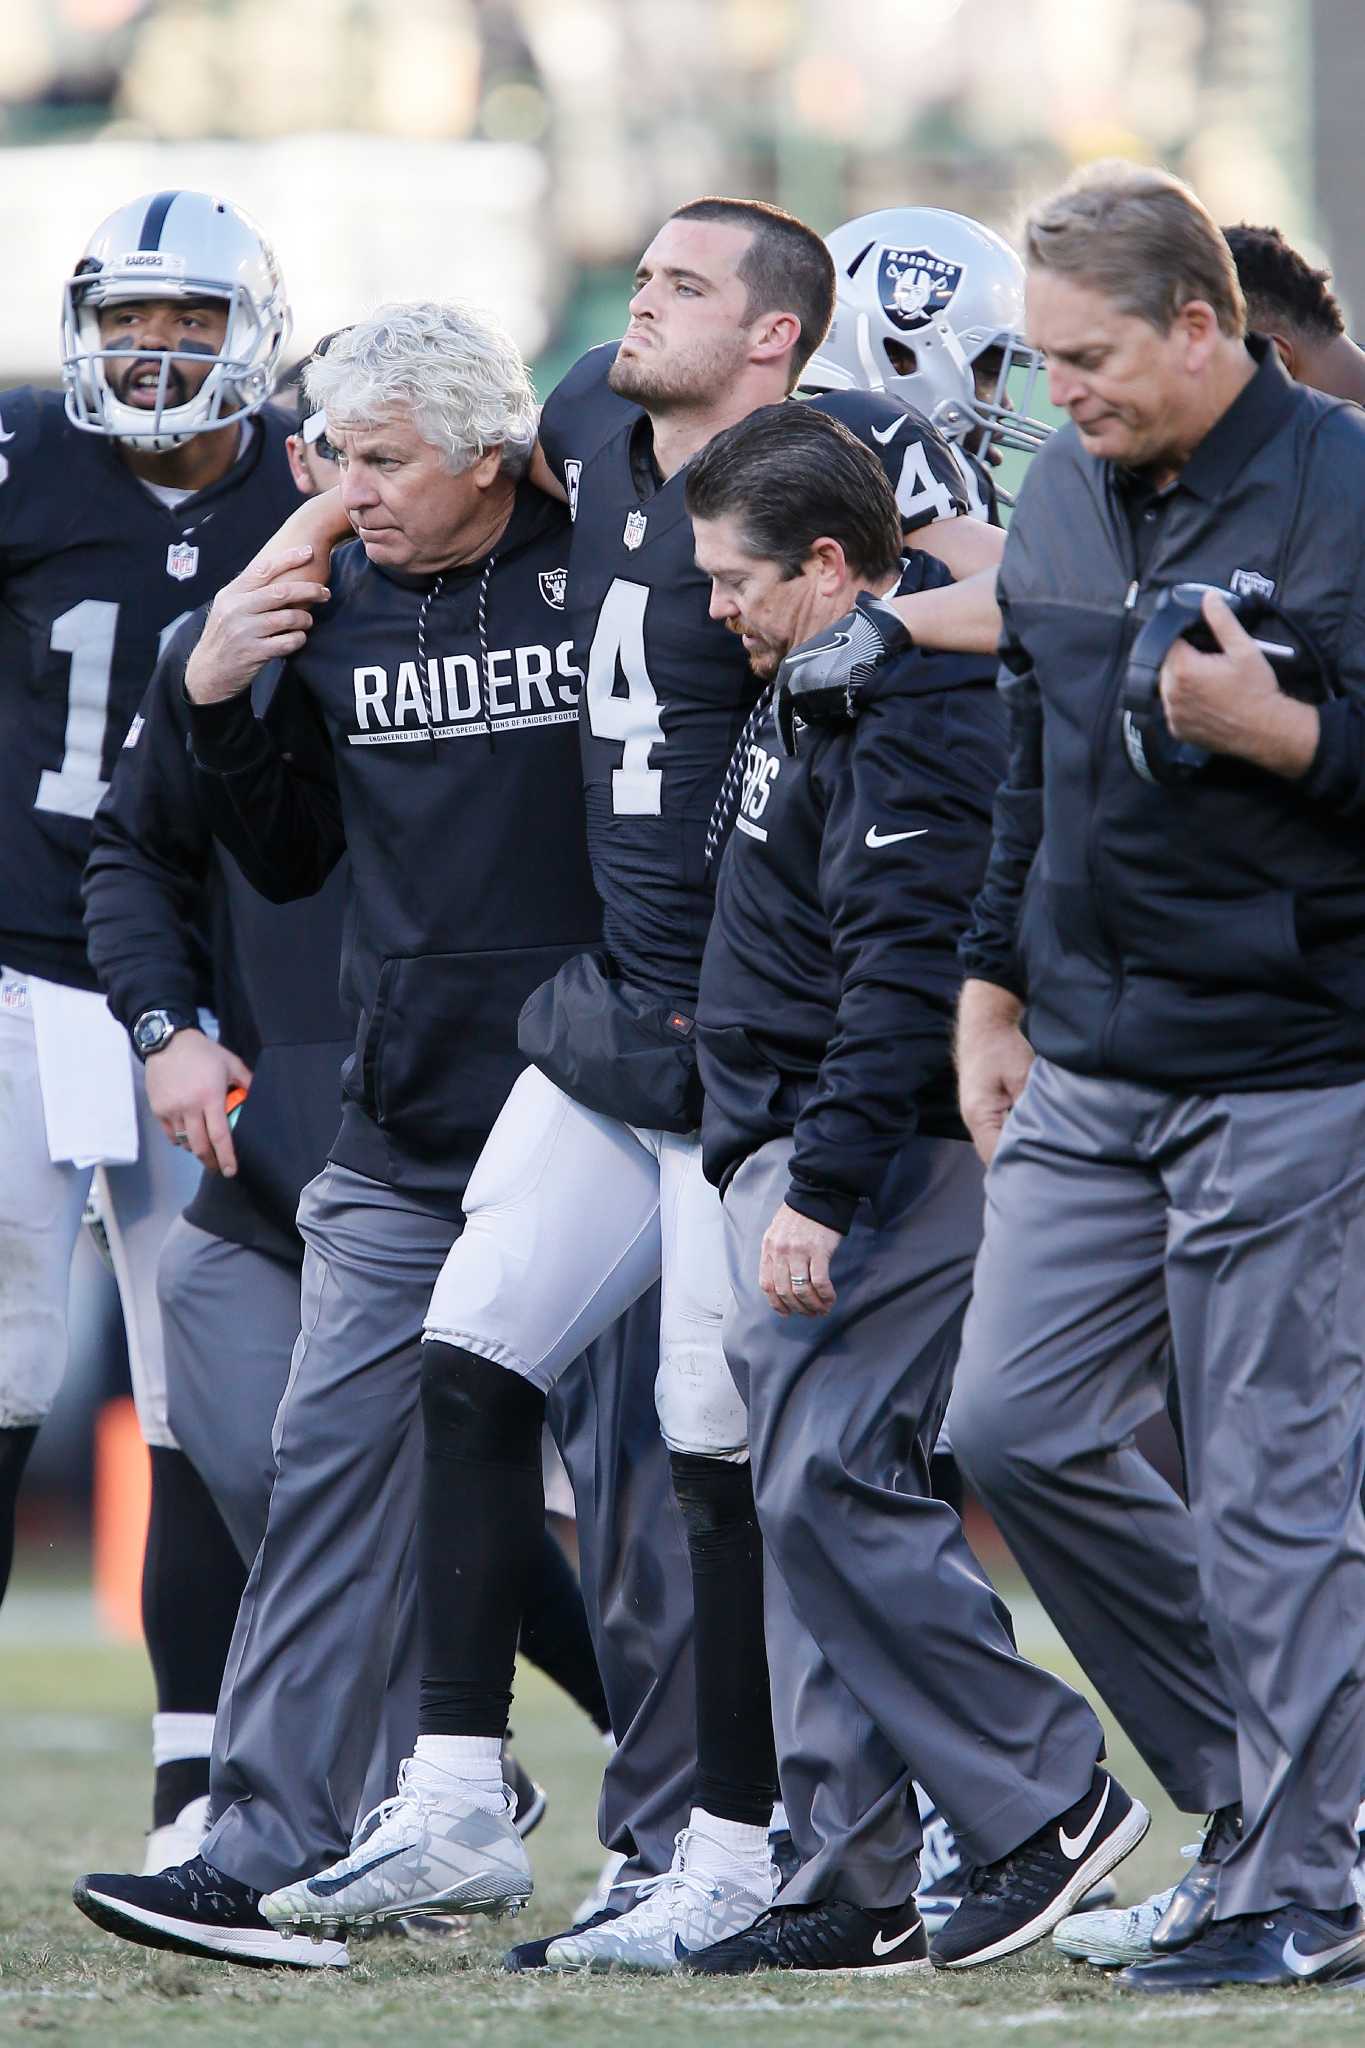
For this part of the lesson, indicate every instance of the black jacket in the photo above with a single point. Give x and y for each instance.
(171, 923)
(1208, 937)
(831, 971)
(455, 785)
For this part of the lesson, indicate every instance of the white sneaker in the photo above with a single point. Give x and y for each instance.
(1109, 1940)
(597, 1900)
(422, 1851)
(684, 1909)
(179, 1840)
(1122, 1935)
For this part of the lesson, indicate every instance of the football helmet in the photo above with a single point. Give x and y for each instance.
(923, 295)
(174, 245)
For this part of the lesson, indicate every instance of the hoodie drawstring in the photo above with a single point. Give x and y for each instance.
(485, 693)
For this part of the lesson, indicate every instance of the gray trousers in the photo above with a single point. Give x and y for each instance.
(327, 1629)
(915, 1669)
(230, 1319)
(1228, 1637)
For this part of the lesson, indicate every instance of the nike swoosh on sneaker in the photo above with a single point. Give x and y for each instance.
(1307, 1966)
(891, 431)
(327, 1887)
(876, 838)
(1074, 1847)
(881, 1947)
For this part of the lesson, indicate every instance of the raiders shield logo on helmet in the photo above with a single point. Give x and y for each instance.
(553, 584)
(182, 560)
(916, 286)
(634, 532)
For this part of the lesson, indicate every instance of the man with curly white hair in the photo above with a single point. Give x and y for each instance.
(433, 700)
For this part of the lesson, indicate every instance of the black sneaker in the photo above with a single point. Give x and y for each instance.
(831, 1935)
(1010, 1904)
(196, 1910)
(1196, 1895)
(1291, 1946)
(529, 1809)
(530, 1955)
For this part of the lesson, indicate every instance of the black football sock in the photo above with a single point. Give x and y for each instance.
(736, 1761)
(480, 1527)
(192, 1582)
(554, 1632)
(15, 1445)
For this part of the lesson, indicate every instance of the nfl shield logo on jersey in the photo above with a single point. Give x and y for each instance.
(573, 470)
(634, 533)
(181, 560)
(553, 584)
(916, 286)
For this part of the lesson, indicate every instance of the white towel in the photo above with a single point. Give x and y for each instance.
(85, 1070)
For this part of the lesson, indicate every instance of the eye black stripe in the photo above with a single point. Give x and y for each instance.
(155, 219)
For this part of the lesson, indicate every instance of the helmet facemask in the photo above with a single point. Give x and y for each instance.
(238, 383)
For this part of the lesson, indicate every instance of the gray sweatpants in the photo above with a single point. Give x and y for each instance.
(327, 1624)
(1229, 1637)
(919, 1670)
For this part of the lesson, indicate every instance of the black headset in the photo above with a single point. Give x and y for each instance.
(1153, 752)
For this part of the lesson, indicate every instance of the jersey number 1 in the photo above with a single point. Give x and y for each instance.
(86, 633)
(618, 645)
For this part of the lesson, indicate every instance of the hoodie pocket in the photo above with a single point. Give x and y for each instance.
(440, 1053)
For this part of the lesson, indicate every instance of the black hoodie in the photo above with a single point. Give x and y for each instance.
(451, 775)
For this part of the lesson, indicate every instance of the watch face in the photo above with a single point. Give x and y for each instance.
(152, 1031)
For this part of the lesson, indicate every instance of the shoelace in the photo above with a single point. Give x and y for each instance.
(806, 1934)
(406, 1792)
(677, 1877)
(1028, 1872)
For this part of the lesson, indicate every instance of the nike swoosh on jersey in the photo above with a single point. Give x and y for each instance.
(801, 654)
(875, 838)
(884, 1948)
(1074, 1848)
(1307, 1966)
(325, 1887)
(891, 431)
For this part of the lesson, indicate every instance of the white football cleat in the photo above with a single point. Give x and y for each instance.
(423, 1851)
(685, 1909)
(178, 1840)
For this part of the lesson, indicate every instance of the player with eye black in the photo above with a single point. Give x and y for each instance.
(590, 1187)
(124, 504)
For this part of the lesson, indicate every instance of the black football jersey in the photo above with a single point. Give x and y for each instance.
(666, 687)
(95, 576)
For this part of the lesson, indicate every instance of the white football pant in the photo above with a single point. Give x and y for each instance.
(40, 1218)
(569, 1217)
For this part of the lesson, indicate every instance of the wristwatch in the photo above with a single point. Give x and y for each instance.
(156, 1028)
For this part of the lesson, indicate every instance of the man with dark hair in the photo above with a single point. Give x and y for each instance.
(591, 1184)
(853, 1215)
(1295, 305)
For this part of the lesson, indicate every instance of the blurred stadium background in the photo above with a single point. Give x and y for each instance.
(519, 152)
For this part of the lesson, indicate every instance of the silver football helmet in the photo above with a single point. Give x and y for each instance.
(930, 309)
(174, 245)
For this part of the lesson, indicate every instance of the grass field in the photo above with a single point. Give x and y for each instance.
(73, 1752)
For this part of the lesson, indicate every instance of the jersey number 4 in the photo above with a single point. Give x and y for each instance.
(86, 633)
(618, 649)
